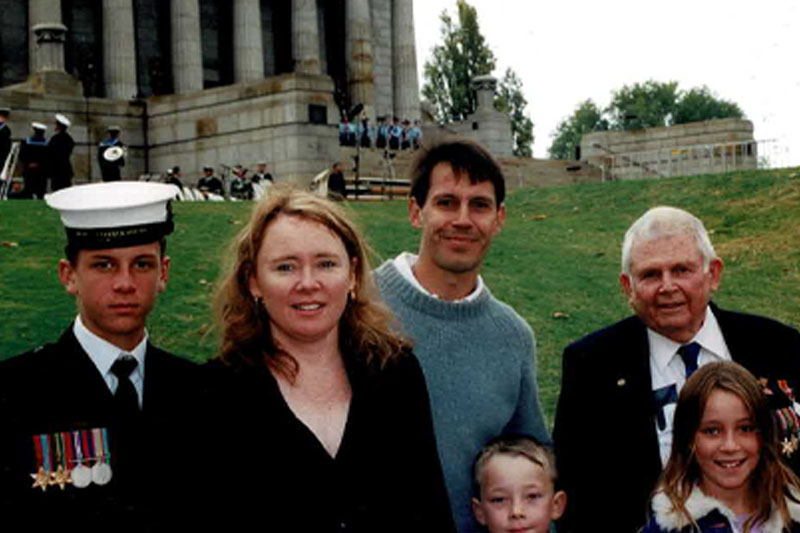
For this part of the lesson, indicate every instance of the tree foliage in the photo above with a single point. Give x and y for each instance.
(510, 100)
(641, 105)
(586, 118)
(462, 55)
(700, 104)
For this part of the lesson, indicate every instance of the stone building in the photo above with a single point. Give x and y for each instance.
(486, 125)
(708, 147)
(196, 82)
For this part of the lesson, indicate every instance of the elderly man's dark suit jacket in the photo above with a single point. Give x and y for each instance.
(57, 388)
(604, 434)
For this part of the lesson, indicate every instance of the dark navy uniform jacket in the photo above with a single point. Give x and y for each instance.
(57, 388)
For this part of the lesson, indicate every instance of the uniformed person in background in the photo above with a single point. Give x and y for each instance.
(61, 146)
(262, 175)
(95, 425)
(33, 157)
(111, 164)
(5, 135)
(209, 183)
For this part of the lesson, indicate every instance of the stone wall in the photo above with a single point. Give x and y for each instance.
(244, 124)
(718, 145)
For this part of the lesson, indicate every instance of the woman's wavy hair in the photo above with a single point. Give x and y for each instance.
(771, 481)
(246, 339)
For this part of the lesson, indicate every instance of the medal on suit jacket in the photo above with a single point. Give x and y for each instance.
(41, 478)
(61, 477)
(781, 401)
(101, 470)
(81, 474)
(63, 459)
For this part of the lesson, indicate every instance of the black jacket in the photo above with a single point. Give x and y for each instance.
(57, 388)
(386, 476)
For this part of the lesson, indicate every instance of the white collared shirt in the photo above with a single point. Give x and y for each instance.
(404, 263)
(667, 368)
(103, 354)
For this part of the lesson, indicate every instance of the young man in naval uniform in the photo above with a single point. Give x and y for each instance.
(95, 425)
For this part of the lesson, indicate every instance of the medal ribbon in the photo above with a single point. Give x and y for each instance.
(76, 436)
(69, 453)
(87, 444)
(98, 444)
(59, 449)
(106, 451)
(48, 465)
(37, 444)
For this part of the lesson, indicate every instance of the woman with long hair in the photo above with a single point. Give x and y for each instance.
(328, 422)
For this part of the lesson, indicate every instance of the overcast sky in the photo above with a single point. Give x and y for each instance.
(566, 51)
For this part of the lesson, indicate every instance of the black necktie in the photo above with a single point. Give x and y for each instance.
(126, 399)
(689, 353)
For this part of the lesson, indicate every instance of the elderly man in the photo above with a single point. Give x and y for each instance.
(613, 427)
(477, 353)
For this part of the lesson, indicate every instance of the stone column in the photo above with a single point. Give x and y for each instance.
(119, 49)
(305, 37)
(40, 12)
(248, 50)
(404, 61)
(358, 50)
(50, 39)
(187, 53)
(485, 87)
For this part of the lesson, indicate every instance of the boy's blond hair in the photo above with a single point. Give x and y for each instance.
(515, 445)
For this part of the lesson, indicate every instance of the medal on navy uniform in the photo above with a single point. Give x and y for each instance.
(81, 474)
(41, 478)
(101, 470)
(61, 477)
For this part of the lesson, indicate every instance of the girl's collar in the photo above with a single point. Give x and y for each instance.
(699, 505)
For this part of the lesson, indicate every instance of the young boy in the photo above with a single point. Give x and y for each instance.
(515, 483)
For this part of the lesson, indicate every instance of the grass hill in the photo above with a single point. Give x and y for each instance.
(556, 261)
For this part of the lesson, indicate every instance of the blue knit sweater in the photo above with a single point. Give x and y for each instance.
(479, 363)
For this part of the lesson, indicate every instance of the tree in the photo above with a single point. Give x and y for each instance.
(586, 118)
(511, 100)
(641, 105)
(462, 55)
(646, 105)
(700, 104)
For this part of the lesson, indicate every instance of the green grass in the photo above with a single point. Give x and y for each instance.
(556, 262)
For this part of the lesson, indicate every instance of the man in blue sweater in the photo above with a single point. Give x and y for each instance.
(478, 355)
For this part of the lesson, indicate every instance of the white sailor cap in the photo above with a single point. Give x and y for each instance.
(64, 121)
(113, 128)
(38, 126)
(116, 214)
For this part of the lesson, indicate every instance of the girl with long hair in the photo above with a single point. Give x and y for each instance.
(725, 472)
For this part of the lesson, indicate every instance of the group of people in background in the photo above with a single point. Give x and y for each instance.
(391, 133)
(397, 399)
(41, 159)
